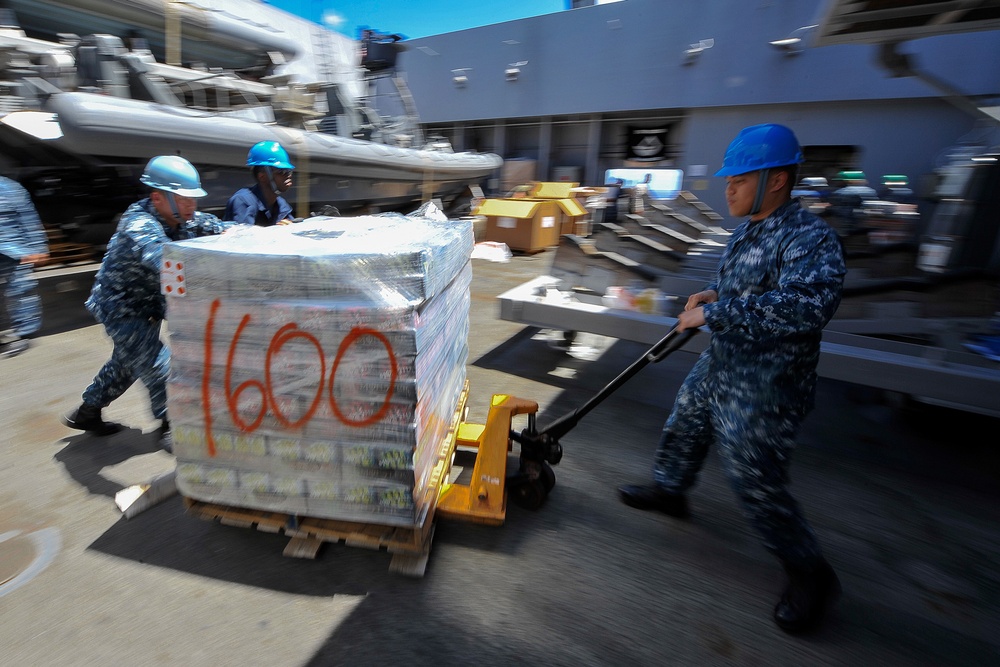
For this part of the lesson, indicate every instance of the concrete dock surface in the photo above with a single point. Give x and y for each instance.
(903, 497)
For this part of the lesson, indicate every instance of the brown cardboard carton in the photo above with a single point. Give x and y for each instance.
(525, 225)
(516, 172)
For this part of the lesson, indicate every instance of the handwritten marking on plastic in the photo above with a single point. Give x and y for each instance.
(352, 336)
(232, 397)
(206, 378)
(285, 334)
(265, 389)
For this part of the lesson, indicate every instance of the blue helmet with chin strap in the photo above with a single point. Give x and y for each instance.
(174, 174)
(761, 147)
(268, 154)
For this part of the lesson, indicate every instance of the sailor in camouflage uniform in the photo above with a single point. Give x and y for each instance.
(126, 296)
(778, 284)
(263, 204)
(22, 244)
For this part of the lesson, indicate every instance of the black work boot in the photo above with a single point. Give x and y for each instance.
(807, 598)
(654, 498)
(14, 347)
(165, 437)
(88, 418)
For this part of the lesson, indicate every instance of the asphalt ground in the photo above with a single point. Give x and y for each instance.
(903, 497)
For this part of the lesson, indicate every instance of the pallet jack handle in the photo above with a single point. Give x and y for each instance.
(541, 449)
(544, 445)
(672, 341)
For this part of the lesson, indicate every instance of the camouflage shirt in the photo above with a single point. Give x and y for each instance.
(779, 282)
(21, 232)
(128, 282)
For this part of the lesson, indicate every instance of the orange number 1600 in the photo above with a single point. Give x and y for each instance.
(284, 334)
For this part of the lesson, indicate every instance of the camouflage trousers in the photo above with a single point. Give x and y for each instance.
(21, 304)
(138, 355)
(6, 271)
(755, 441)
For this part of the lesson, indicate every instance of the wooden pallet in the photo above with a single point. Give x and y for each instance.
(409, 545)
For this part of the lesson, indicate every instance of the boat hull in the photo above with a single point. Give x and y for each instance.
(343, 172)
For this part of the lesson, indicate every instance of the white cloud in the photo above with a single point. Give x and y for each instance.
(332, 19)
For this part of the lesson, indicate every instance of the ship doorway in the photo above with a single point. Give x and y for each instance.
(828, 161)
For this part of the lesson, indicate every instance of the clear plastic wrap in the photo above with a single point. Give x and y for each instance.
(317, 367)
(374, 260)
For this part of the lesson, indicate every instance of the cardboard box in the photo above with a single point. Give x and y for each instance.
(567, 173)
(572, 210)
(525, 225)
(516, 172)
(550, 190)
(546, 219)
(573, 213)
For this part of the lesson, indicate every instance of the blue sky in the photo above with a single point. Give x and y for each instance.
(415, 18)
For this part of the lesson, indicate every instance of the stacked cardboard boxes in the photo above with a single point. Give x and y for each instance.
(534, 222)
(525, 225)
(316, 367)
(571, 209)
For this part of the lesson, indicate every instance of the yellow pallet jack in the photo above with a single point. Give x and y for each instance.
(484, 499)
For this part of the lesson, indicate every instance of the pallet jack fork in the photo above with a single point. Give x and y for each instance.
(484, 500)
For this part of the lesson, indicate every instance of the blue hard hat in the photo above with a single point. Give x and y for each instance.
(761, 147)
(172, 173)
(268, 154)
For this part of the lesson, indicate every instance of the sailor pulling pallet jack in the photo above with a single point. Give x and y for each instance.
(778, 284)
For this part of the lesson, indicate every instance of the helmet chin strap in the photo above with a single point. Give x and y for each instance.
(173, 207)
(758, 199)
(270, 179)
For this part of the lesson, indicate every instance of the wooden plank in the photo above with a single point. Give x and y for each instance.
(310, 529)
(269, 528)
(364, 541)
(409, 565)
(302, 547)
(412, 564)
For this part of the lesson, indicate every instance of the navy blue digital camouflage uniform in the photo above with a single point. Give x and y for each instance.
(21, 235)
(779, 282)
(126, 299)
(247, 207)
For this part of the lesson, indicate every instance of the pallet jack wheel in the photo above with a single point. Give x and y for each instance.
(532, 485)
(547, 477)
(529, 494)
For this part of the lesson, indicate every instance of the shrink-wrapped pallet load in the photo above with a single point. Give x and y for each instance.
(316, 367)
